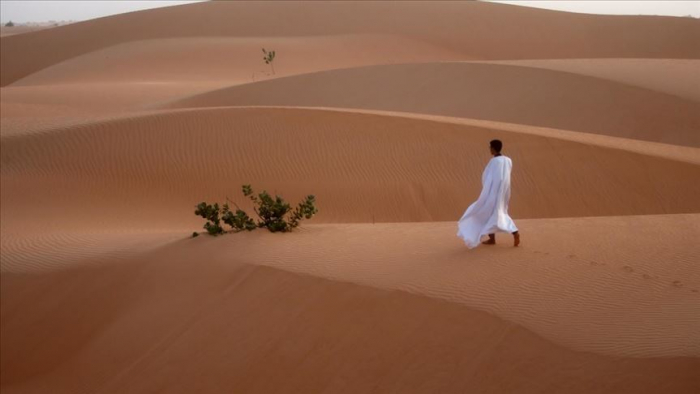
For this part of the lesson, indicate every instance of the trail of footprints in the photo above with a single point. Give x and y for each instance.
(675, 283)
(628, 269)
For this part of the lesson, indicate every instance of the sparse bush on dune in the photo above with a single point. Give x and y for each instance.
(238, 219)
(274, 214)
(269, 59)
(212, 214)
(9, 24)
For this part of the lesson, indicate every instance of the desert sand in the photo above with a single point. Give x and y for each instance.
(113, 129)
(21, 29)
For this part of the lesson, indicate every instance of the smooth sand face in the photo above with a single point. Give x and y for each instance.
(235, 59)
(172, 160)
(197, 316)
(532, 96)
(652, 74)
(113, 129)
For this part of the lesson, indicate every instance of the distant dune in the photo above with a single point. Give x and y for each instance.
(21, 29)
(678, 77)
(477, 29)
(234, 59)
(112, 130)
(512, 94)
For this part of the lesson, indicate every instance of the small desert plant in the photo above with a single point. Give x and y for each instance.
(238, 220)
(9, 24)
(211, 214)
(274, 213)
(305, 210)
(269, 58)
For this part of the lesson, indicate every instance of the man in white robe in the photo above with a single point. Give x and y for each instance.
(489, 214)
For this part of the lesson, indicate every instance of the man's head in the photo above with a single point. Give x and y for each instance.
(496, 146)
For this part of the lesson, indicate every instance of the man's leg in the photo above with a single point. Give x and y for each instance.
(491, 240)
(516, 238)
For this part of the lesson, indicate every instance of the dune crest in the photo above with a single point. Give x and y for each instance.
(349, 160)
(483, 30)
(234, 60)
(532, 96)
(650, 74)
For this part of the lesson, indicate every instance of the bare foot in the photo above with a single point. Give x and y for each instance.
(516, 239)
(491, 240)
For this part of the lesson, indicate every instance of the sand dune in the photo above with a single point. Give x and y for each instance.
(630, 294)
(191, 316)
(29, 109)
(119, 170)
(234, 59)
(685, 154)
(21, 29)
(55, 248)
(543, 99)
(510, 94)
(678, 77)
(478, 29)
(112, 130)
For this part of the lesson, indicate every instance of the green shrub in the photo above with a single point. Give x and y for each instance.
(274, 214)
(269, 58)
(211, 214)
(238, 220)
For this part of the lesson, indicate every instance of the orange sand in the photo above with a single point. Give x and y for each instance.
(113, 129)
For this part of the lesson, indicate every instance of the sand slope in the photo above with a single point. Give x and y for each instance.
(234, 59)
(678, 77)
(582, 282)
(191, 316)
(504, 93)
(481, 30)
(121, 170)
(28, 109)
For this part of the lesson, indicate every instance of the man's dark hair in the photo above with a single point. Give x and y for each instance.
(497, 145)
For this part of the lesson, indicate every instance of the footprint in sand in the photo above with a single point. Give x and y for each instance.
(694, 290)
(594, 263)
(627, 268)
(571, 256)
(678, 283)
(647, 276)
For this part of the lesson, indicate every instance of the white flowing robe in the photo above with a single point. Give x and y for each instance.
(489, 214)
